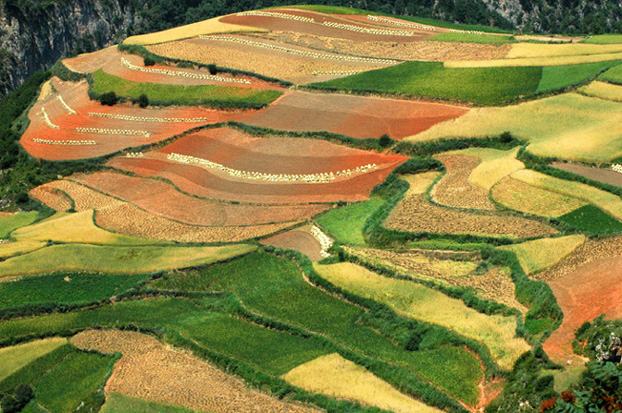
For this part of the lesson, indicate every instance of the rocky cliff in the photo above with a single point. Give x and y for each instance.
(34, 34)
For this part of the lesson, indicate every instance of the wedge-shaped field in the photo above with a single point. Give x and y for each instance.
(335, 376)
(11, 221)
(10, 249)
(322, 24)
(538, 61)
(607, 176)
(76, 257)
(285, 157)
(606, 201)
(494, 166)
(569, 126)
(519, 50)
(276, 60)
(520, 196)
(117, 403)
(12, 359)
(415, 214)
(347, 223)
(52, 197)
(497, 332)
(82, 197)
(538, 255)
(455, 189)
(151, 371)
(163, 199)
(275, 287)
(78, 227)
(300, 239)
(603, 90)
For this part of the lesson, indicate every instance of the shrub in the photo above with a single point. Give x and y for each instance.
(213, 69)
(506, 137)
(143, 101)
(385, 141)
(10, 404)
(24, 394)
(109, 99)
(148, 61)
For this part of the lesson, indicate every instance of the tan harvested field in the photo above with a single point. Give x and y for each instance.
(210, 26)
(426, 51)
(155, 372)
(603, 90)
(52, 197)
(520, 50)
(607, 176)
(162, 199)
(495, 165)
(277, 64)
(128, 219)
(537, 61)
(337, 377)
(530, 199)
(46, 89)
(455, 190)
(415, 214)
(538, 255)
(299, 239)
(494, 285)
(420, 302)
(84, 198)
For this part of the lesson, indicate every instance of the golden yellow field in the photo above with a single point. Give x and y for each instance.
(519, 50)
(537, 61)
(210, 26)
(606, 201)
(495, 165)
(419, 183)
(77, 227)
(497, 332)
(603, 90)
(538, 255)
(523, 197)
(11, 249)
(46, 89)
(335, 376)
(14, 358)
(570, 126)
(131, 260)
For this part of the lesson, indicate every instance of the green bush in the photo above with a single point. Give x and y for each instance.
(143, 101)
(148, 61)
(212, 68)
(108, 98)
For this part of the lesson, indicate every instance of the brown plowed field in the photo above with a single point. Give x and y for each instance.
(109, 60)
(275, 23)
(415, 214)
(76, 97)
(298, 239)
(52, 197)
(128, 219)
(355, 116)
(426, 51)
(152, 371)
(164, 200)
(455, 190)
(240, 151)
(607, 176)
(277, 64)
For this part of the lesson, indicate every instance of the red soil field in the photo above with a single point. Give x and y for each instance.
(282, 24)
(355, 116)
(76, 97)
(297, 239)
(385, 25)
(592, 289)
(272, 155)
(162, 199)
(110, 61)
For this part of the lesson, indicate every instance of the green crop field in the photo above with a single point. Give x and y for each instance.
(559, 77)
(10, 222)
(472, 38)
(604, 39)
(613, 75)
(288, 297)
(592, 220)
(65, 288)
(118, 403)
(346, 223)
(15, 358)
(226, 96)
(76, 257)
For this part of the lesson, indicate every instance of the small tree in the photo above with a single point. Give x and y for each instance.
(143, 101)
(506, 137)
(10, 404)
(212, 69)
(109, 99)
(148, 61)
(385, 140)
(24, 394)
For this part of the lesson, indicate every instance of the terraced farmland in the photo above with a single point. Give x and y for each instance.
(310, 209)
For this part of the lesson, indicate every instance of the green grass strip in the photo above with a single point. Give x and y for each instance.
(472, 38)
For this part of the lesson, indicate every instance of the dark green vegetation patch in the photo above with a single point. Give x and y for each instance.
(592, 220)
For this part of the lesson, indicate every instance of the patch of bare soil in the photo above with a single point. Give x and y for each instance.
(152, 371)
(607, 176)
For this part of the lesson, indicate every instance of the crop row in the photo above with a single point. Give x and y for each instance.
(47, 120)
(295, 51)
(145, 119)
(278, 15)
(67, 142)
(323, 239)
(368, 30)
(414, 25)
(190, 75)
(309, 178)
(115, 131)
(65, 105)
